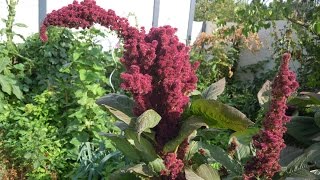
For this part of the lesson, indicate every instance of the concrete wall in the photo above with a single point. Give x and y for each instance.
(266, 52)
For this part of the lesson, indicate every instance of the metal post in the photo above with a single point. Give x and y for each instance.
(155, 18)
(42, 11)
(190, 22)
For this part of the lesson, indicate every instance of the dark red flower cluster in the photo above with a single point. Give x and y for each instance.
(158, 72)
(173, 165)
(269, 142)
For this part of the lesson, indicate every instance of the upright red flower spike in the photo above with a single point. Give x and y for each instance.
(269, 142)
(158, 71)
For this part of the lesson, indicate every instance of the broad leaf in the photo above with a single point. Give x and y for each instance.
(245, 136)
(143, 145)
(120, 106)
(5, 84)
(4, 62)
(310, 156)
(141, 170)
(302, 174)
(303, 129)
(17, 92)
(147, 120)
(188, 127)
(191, 175)
(214, 90)
(300, 101)
(317, 118)
(123, 145)
(157, 165)
(207, 134)
(313, 96)
(193, 148)
(221, 156)
(219, 115)
(288, 154)
(264, 94)
(243, 141)
(206, 172)
(316, 172)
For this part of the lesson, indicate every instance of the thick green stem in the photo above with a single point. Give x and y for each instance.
(9, 24)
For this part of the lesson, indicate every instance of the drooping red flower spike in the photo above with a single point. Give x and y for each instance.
(269, 142)
(158, 71)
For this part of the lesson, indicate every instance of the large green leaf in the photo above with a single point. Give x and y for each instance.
(206, 172)
(310, 156)
(123, 145)
(191, 175)
(188, 127)
(317, 118)
(303, 129)
(157, 165)
(134, 172)
(5, 84)
(214, 90)
(243, 140)
(141, 170)
(4, 62)
(221, 156)
(143, 145)
(219, 115)
(300, 101)
(302, 174)
(17, 92)
(119, 105)
(313, 96)
(288, 154)
(147, 120)
(207, 134)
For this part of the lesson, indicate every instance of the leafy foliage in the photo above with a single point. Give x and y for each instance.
(67, 75)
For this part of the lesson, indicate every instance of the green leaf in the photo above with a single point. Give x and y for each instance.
(313, 96)
(206, 172)
(141, 170)
(76, 55)
(5, 84)
(316, 27)
(243, 140)
(123, 175)
(190, 175)
(123, 145)
(221, 156)
(264, 94)
(157, 165)
(120, 106)
(317, 118)
(20, 25)
(147, 120)
(17, 92)
(288, 154)
(245, 137)
(207, 134)
(316, 172)
(219, 115)
(303, 129)
(142, 144)
(188, 127)
(215, 89)
(302, 174)
(310, 156)
(4, 62)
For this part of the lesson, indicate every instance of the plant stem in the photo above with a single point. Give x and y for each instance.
(9, 23)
